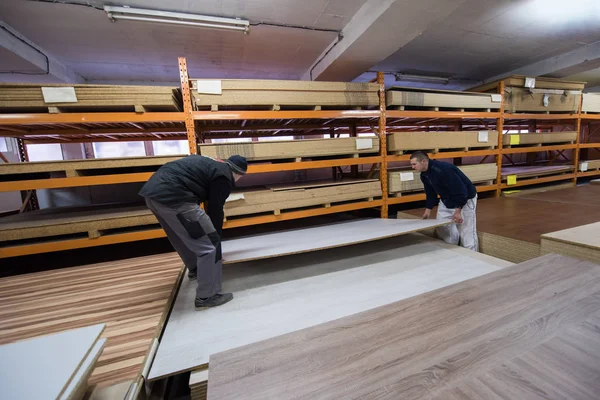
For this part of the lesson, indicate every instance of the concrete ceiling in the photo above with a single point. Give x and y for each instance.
(467, 41)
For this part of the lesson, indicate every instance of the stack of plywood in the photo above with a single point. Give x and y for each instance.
(287, 197)
(403, 98)
(55, 366)
(515, 139)
(580, 242)
(405, 180)
(528, 94)
(248, 93)
(55, 98)
(292, 149)
(589, 165)
(591, 103)
(534, 172)
(199, 384)
(406, 141)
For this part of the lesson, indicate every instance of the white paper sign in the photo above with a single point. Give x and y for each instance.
(235, 196)
(483, 137)
(59, 94)
(530, 83)
(407, 176)
(209, 87)
(363, 144)
(497, 98)
(583, 167)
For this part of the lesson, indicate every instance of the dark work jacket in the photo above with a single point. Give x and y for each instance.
(449, 182)
(192, 179)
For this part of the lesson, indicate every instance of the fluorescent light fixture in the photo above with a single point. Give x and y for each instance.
(420, 78)
(176, 18)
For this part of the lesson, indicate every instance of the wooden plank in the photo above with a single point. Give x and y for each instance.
(400, 183)
(580, 242)
(53, 360)
(591, 103)
(290, 85)
(271, 295)
(78, 386)
(404, 141)
(540, 82)
(317, 184)
(531, 171)
(420, 347)
(590, 165)
(323, 237)
(538, 138)
(426, 98)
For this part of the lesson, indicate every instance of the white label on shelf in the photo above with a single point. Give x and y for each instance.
(530, 83)
(209, 86)
(407, 176)
(363, 144)
(583, 167)
(483, 137)
(59, 94)
(497, 98)
(235, 196)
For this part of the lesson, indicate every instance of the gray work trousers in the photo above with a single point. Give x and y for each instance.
(466, 232)
(195, 239)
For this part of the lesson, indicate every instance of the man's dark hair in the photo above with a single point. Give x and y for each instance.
(419, 155)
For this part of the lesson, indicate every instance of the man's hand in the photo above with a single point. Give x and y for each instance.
(457, 216)
(426, 213)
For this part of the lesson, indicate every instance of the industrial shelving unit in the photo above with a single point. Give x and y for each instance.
(589, 138)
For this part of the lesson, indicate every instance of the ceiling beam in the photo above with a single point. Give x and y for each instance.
(379, 29)
(22, 47)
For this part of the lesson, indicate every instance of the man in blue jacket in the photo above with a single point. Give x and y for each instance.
(458, 195)
(173, 194)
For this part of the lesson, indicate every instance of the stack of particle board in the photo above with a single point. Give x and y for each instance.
(54, 98)
(580, 242)
(534, 172)
(199, 384)
(255, 151)
(287, 197)
(248, 93)
(55, 366)
(538, 138)
(528, 94)
(406, 141)
(589, 165)
(403, 98)
(405, 180)
(591, 103)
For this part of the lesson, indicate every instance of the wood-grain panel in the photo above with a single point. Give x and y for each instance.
(132, 297)
(422, 346)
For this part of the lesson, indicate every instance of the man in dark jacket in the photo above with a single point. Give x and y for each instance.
(458, 195)
(173, 194)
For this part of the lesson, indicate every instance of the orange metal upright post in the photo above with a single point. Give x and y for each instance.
(187, 105)
(383, 172)
(500, 129)
(578, 141)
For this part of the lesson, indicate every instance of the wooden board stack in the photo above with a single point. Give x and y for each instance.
(528, 172)
(250, 93)
(51, 367)
(296, 149)
(525, 94)
(589, 165)
(276, 199)
(199, 384)
(591, 103)
(34, 98)
(520, 139)
(399, 142)
(405, 180)
(406, 98)
(582, 242)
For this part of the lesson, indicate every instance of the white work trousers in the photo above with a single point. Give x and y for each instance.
(465, 233)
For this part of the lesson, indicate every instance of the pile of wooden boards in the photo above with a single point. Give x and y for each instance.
(51, 367)
(528, 94)
(287, 197)
(199, 384)
(399, 142)
(582, 242)
(591, 103)
(273, 94)
(516, 139)
(589, 165)
(292, 149)
(534, 172)
(405, 180)
(403, 98)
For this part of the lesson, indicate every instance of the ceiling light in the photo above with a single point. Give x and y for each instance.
(420, 78)
(167, 17)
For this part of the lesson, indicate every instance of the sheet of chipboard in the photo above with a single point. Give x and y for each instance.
(591, 103)
(401, 141)
(401, 96)
(398, 180)
(538, 138)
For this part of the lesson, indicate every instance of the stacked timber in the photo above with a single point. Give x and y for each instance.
(404, 98)
(294, 149)
(274, 94)
(581, 242)
(532, 172)
(199, 384)
(517, 139)
(590, 165)
(591, 103)
(405, 180)
(287, 197)
(528, 94)
(89, 98)
(399, 142)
